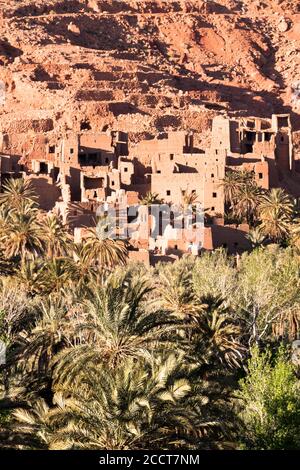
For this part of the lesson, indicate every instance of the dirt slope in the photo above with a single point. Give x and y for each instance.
(146, 66)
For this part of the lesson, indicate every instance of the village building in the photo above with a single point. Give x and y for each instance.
(79, 174)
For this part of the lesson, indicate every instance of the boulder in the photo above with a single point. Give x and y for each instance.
(73, 28)
(283, 25)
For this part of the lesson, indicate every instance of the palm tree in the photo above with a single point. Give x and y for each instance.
(175, 288)
(7, 266)
(151, 199)
(83, 267)
(231, 185)
(51, 328)
(58, 274)
(21, 235)
(242, 194)
(46, 276)
(105, 250)
(39, 276)
(31, 276)
(215, 335)
(118, 322)
(16, 193)
(247, 202)
(29, 429)
(189, 198)
(211, 331)
(256, 237)
(32, 429)
(56, 236)
(136, 406)
(275, 212)
(133, 407)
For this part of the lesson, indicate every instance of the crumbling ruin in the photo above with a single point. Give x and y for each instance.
(81, 172)
(177, 79)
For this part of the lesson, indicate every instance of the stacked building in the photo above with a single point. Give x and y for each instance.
(79, 175)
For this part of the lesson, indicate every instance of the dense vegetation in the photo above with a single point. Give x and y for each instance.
(271, 214)
(107, 355)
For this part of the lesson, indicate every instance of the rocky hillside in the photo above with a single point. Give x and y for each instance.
(146, 66)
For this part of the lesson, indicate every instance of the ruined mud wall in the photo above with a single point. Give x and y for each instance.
(146, 67)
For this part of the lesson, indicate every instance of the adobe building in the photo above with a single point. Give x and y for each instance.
(264, 145)
(77, 173)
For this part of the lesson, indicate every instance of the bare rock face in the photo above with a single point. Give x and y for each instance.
(145, 66)
(94, 5)
(73, 28)
(283, 25)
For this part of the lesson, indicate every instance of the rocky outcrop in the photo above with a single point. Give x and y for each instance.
(146, 66)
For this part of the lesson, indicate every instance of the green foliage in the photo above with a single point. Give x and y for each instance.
(275, 213)
(256, 237)
(270, 403)
(271, 214)
(214, 274)
(151, 199)
(242, 195)
(135, 406)
(267, 290)
(106, 354)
